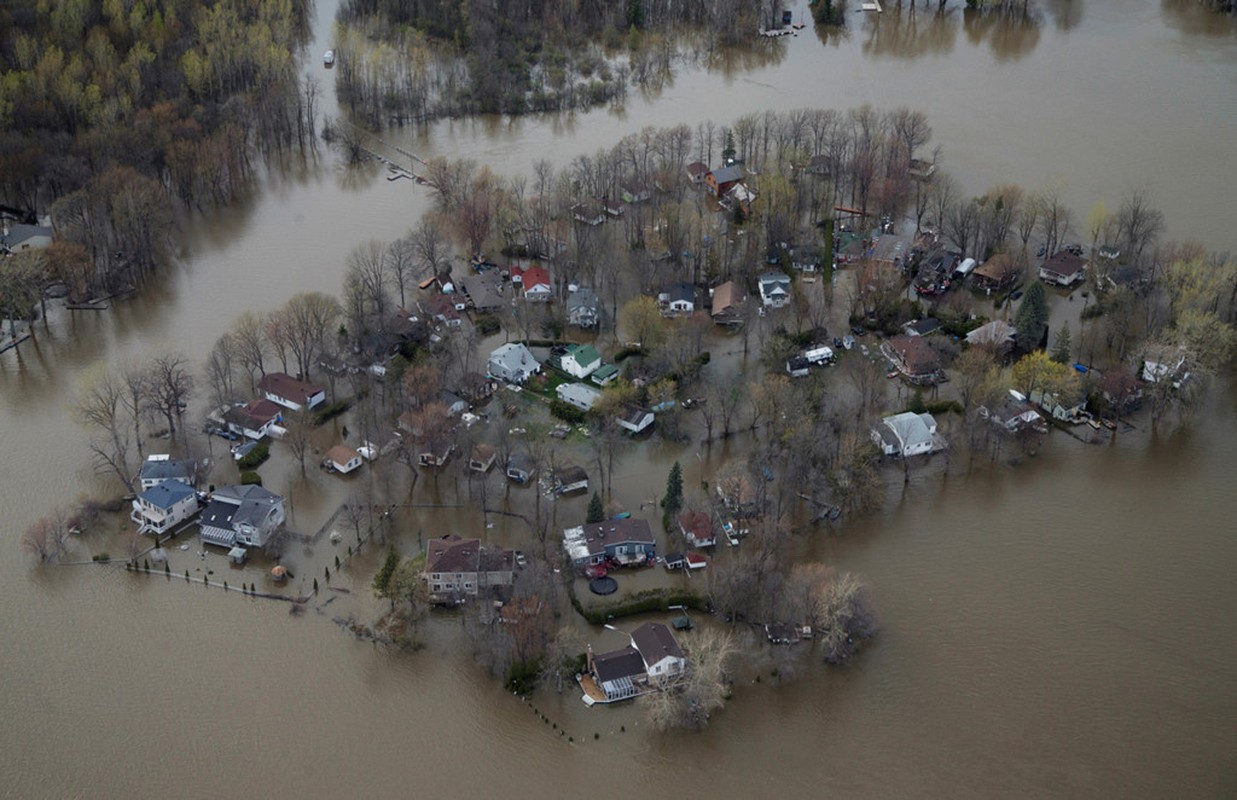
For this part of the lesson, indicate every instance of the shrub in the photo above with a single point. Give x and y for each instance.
(944, 407)
(626, 353)
(567, 412)
(101, 557)
(254, 457)
(331, 411)
(487, 324)
(522, 676)
(251, 479)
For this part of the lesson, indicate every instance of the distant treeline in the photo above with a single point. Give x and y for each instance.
(109, 109)
(410, 60)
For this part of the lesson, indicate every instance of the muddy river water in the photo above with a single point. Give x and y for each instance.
(1063, 627)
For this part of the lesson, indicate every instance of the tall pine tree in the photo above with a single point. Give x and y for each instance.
(673, 501)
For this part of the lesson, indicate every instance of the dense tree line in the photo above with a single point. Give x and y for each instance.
(109, 111)
(410, 60)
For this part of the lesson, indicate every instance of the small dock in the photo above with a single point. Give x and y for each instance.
(89, 305)
(873, 5)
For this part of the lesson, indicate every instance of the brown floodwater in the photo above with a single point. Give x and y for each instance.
(1062, 627)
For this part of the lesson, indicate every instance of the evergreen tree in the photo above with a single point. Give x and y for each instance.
(1062, 350)
(596, 512)
(673, 501)
(382, 580)
(1032, 316)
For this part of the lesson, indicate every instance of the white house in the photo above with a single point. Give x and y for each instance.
(1056, 406)
(289, 392)
(254, 419)
(774, 289)
(678, 298)
(662, 656)
(158, 468)
(583, 308)
(578, 395)
(1063, 269)
(907, 434)
(244, 515)
(580, 360)
(161, 508)
(635, 420)
(342, 459)
(15, 238)
(514, 363)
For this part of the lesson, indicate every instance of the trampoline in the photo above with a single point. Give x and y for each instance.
(605, 585)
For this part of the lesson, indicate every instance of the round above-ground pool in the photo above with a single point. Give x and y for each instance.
(606, 585)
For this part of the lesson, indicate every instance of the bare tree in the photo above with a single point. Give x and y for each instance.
(400, 263)
(171, 383)
(250, 345)
(46, 537)
(701, 691)
(100, 407)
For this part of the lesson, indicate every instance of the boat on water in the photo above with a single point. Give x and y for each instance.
(328, 58)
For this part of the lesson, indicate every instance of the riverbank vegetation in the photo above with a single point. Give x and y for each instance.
(111, 114)
(400, 61)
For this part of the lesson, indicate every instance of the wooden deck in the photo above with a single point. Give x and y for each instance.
(592, 692)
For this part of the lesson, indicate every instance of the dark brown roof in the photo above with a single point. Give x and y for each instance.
(284, 385)
(915, 353)
(623, 663)
(655, 642)
(1065, 264)
(453, 554)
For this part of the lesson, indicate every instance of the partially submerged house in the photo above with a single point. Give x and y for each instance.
(1015, 415)
(627, 541)
(583, 308)
(635, 420)
(15, 238)
(283, 389)
(997, 273)
(484, 292)
(697, 528)
(997, 336)
(534, 283)
(342, 459)
(521, 468)
(482, 458)
(720, 181)
(456, 568)
(254, 419)
(891, 251)
(1064, 268)
(567, 480)
(513, 363)
(162, 507)
(727, 308)
(774, 289)
(654, 657)
(907, 434)
(1060, 406)
(677, 299)
(241, 515)
(913, 358)
(578, 395)
(159, 468)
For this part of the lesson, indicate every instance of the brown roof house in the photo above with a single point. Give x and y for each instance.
(1063, 269)
(914, 358)
(728, 304)
(254, 419)
(996, 273)
(342, 459)
(290, 392)
(456, 568)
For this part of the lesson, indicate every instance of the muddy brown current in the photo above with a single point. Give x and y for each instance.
(1062, 627)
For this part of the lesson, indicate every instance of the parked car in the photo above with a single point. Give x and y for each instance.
(848, 342)
(520, 559)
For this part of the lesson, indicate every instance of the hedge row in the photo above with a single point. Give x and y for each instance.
(640, 603)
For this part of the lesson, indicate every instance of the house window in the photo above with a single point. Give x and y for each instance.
(437, 587)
